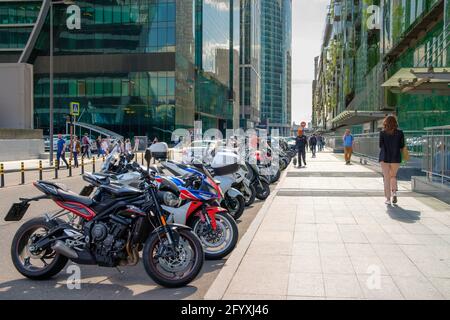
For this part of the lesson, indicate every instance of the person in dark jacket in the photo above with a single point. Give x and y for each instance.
(313, 145)
(392, 141)
(301, 143)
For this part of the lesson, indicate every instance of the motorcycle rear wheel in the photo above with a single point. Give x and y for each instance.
(20, 247)
(235, 206)
(263, 190)
(250, 199)
(275, 177)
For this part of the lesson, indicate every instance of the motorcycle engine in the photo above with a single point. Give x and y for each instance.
(108, 241)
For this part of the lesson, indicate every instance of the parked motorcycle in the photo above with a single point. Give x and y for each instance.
(232, 199)
(197, 205)
(109, 231)
(260, 183)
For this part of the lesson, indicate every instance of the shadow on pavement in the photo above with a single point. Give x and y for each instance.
(103, 283)
(403, 215)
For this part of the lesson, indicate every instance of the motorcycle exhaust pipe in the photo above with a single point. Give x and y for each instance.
(61, 248)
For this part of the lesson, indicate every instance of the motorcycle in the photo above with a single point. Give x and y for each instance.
(196, 207)
(260, 183)
(107, 230)
(231, 199)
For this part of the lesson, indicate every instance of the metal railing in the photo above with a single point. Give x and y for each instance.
(436, 159)
(367, 146)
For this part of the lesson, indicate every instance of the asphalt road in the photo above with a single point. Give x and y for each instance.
(96, 282)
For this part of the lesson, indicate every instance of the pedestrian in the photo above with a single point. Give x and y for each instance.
(136, 144)
(76, 149)
(98, 143)
(104, 147)
(348, 146)
(301, 143)
(128, 148)
(392, 142)
(61, 151)
(313, 144)
(86, 143)
(320, 142)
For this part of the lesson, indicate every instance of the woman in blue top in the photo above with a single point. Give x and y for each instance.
(392, 141)
(348, 146)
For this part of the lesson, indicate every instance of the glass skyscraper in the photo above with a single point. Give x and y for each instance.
(137, 67)
(250, 76)
(276, 55)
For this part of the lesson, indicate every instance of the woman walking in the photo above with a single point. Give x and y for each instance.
(76, 150)
(392, 141)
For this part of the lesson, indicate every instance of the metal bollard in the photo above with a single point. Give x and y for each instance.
(56, 169)
(142, 158)
(40, 169)
(103, 158)
(82, 166)
(22, 173)
(70, 167)
(93, 165)
(2, 176)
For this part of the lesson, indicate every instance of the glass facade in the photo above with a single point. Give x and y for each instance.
(137, 67)
(250, 79)
(214, 57)
(138, 103)
(16, 23)
(357, 60)
(129, 26)
(276, 38)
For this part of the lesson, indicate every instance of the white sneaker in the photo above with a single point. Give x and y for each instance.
(394, 198)
(388, 203)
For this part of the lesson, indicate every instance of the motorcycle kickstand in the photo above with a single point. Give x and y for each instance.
(120, 271)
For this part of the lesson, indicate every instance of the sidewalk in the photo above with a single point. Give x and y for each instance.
(327, 234)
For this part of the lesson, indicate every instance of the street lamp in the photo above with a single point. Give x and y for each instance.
(52, 3)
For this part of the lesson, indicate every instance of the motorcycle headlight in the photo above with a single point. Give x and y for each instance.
(170, 199)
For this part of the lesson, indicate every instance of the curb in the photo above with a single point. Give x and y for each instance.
(220, 285)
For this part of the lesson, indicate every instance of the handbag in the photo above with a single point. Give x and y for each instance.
(405, 155)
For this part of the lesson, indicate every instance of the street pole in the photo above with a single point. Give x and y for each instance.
(51, 82)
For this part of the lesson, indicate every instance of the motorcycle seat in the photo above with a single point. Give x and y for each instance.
(69, 196)
(121, 190)
(57, 185)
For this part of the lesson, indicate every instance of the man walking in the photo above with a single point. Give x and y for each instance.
(61, 151)
(348, 146)
(301, 143)
(313, 144)
(86, 146)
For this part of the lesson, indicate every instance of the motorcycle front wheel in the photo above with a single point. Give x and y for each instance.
(173, 267)
(220, 242)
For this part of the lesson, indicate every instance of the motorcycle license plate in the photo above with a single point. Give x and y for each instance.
(17, 211)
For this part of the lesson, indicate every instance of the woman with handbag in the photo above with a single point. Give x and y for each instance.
(392, 145)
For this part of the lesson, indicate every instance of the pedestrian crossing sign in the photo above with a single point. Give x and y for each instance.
(74, 108)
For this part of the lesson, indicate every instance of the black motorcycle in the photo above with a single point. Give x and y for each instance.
(109, 231)
(258, 181)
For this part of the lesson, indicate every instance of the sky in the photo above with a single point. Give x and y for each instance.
(308, 18)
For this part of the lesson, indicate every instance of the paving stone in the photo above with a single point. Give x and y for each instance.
(342, 286)
(418, 287)
(381, 288)
(306, 284)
